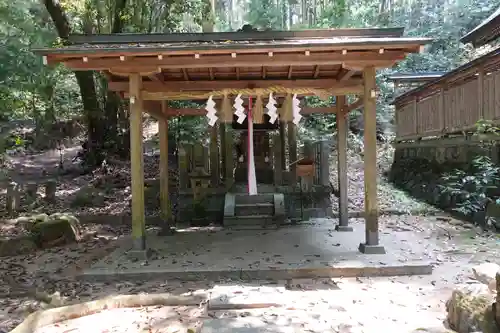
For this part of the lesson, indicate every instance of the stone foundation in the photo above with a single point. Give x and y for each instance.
(421, 167)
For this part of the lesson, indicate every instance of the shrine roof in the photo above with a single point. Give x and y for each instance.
(485, 32)
(327, 59)
(105, 45)
(415, 77)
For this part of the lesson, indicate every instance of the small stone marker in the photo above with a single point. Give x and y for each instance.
(31, 190)
(12, 198)
(50, 191)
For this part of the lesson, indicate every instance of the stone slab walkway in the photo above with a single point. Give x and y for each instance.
(290, 252)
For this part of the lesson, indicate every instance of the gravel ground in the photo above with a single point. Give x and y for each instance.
(398, 304)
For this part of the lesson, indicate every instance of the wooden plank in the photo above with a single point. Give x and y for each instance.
(147, 63)
(164, 190)
(480, 92)
(342, 119)
(370, 160)
(171, 86)
(452, 78)
(137, 165)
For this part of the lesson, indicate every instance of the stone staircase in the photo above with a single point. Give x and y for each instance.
(243, 211)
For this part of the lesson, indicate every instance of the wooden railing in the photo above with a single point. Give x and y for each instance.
(452, 103)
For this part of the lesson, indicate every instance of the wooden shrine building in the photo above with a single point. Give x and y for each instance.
(151, 69)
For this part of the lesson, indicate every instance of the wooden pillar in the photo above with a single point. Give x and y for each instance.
(283, 144)
(292, 151)
(214, 156)
(164, 191)
(222, 159)
(228, 147)
(183, 165)
(137, 165)
(342, 118)
(277, 159)
(371, 245)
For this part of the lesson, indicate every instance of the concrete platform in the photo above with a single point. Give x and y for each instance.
(290, 252)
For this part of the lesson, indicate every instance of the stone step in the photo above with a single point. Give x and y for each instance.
(257, 221)
(254, 199)
(254, 209)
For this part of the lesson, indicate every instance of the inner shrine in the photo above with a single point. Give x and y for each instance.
(252, 171)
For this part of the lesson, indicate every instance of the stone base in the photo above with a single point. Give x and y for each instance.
(371, 249)
(139, 255)
(343, 228)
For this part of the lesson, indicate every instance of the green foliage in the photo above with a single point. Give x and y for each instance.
(472, 187)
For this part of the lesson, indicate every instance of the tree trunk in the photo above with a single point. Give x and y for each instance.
(112, 105)
(86, 83)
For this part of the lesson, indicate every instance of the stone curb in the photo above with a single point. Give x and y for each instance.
(104, 275)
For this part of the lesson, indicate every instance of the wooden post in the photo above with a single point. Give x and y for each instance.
(222, 159)
(137, 166)
(371, 245)
(283, 144)
(292, 151)
(214, 156)
(342, 118)
(480, 93)
(164, 191)
(183, 165)
(277, 160)
(228, 147)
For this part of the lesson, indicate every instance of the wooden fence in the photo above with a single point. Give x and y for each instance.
(452, 103)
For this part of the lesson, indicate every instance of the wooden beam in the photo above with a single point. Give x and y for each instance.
(164, 190)
(172, 86)
(201, 95)
(371, 245)
(148, 63)
(342, 127)
(345, 74)
(290, 70)
(137, 165)
(211, 73)
(356, 105)
(154, 109)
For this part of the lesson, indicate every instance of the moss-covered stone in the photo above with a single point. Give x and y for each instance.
(470, 310)
(57, 229)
